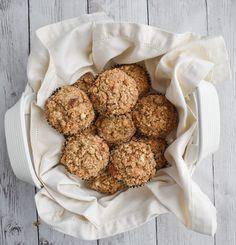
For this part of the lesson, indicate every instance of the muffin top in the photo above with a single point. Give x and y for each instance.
(104, 183)
(92, 129)
(140, 75)
(69, 110)
(85, 155)
(155, 116)
(85, 82)
(132, 163)
(116, 129)
(112, 111)
(158, 147)
(113, 92)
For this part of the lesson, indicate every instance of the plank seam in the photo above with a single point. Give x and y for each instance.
(29, 48)
(29, 45)
(212, 157)
(37, 217)
(87, 6)
(147, 13)
(207, 21)
(213, 186)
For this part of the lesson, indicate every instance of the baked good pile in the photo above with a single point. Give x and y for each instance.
(114, 129)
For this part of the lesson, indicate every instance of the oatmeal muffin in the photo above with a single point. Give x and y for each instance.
(85, 82)
(69, 110)
(113, 92)
(116, 129)
(132, 163)
(104, 183)
(92, 129)
(155, 116)
(85, 155)
(139, 74)
(158, 147)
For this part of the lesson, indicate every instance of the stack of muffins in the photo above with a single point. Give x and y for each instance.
(114, 128)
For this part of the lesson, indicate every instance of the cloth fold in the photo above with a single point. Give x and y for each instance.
(177, 63)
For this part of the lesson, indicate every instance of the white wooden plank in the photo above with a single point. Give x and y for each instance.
(180, 16)
(44, 12)
(222, 21)
(17, 208)
(48, 236)
(133, 11)
(143, 235)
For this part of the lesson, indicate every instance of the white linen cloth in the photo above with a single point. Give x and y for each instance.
(177, 63)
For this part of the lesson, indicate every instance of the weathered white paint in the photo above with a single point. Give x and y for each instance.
(222, 21)
(44, 12)
(17, 208)
(121, 10)
(133, 11)
(215, 175)
(181, 16)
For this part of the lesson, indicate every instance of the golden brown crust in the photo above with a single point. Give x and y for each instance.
(85, 155)
(104, 183)
(140, 75)
(92, 129)
(158, 147)
(113, 92)
(116, 129)
(155, 116)
(135, 155)
(69, 110)
(85, 82)
(133, 163)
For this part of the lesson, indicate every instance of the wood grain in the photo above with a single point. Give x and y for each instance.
(133, 11)
(123, 10)
(17, 208)
(178, 16)
(44, 12)
(215, 175)
(181, 16)
(222, 21)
